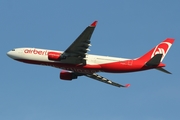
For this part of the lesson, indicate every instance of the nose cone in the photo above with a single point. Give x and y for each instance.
(9, 54)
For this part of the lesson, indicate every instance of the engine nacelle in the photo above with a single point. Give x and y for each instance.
(54, 56)
(67, 75)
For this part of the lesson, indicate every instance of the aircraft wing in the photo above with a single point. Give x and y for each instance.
(76, 52)
(105, 80)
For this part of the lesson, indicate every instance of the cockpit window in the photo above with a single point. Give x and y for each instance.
(13, 50)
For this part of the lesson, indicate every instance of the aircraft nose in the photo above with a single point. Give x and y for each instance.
(9, 54)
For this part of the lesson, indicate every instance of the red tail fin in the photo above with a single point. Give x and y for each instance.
(161, 48)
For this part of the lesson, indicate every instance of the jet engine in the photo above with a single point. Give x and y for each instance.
(54, 56)
(57, 56)
(67, 75)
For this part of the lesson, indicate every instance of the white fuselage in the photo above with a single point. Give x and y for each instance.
(36, 54)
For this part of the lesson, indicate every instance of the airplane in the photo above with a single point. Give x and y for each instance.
(75, 60)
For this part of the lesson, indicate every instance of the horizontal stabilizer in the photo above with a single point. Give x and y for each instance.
(155, 60)
(163, 70)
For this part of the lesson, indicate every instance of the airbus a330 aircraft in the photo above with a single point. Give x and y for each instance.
(76, 62)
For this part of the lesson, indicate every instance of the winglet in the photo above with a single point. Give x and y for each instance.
(127, 85)
(93, 24)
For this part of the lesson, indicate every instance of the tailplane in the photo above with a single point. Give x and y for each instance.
(163, 70)
(155, 61)
(154, 58)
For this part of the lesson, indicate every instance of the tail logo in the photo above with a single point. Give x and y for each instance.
(162, 48)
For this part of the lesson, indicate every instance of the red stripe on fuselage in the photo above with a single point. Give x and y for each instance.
(115, 67)
(127, 66)
(87, 69)
(122, 66)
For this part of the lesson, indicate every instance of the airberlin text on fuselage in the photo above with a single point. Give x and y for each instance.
(35, 51)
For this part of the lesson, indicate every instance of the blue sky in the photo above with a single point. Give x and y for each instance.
(126, 28)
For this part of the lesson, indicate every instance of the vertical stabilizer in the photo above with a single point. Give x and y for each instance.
(161, 48)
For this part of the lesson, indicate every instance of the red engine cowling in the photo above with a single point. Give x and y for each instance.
(54, 56)
(67, 75)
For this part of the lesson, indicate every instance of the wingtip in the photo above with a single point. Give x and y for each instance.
(127, 85)
(94, 24)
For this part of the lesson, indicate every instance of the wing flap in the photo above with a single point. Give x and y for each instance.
(105, 80)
